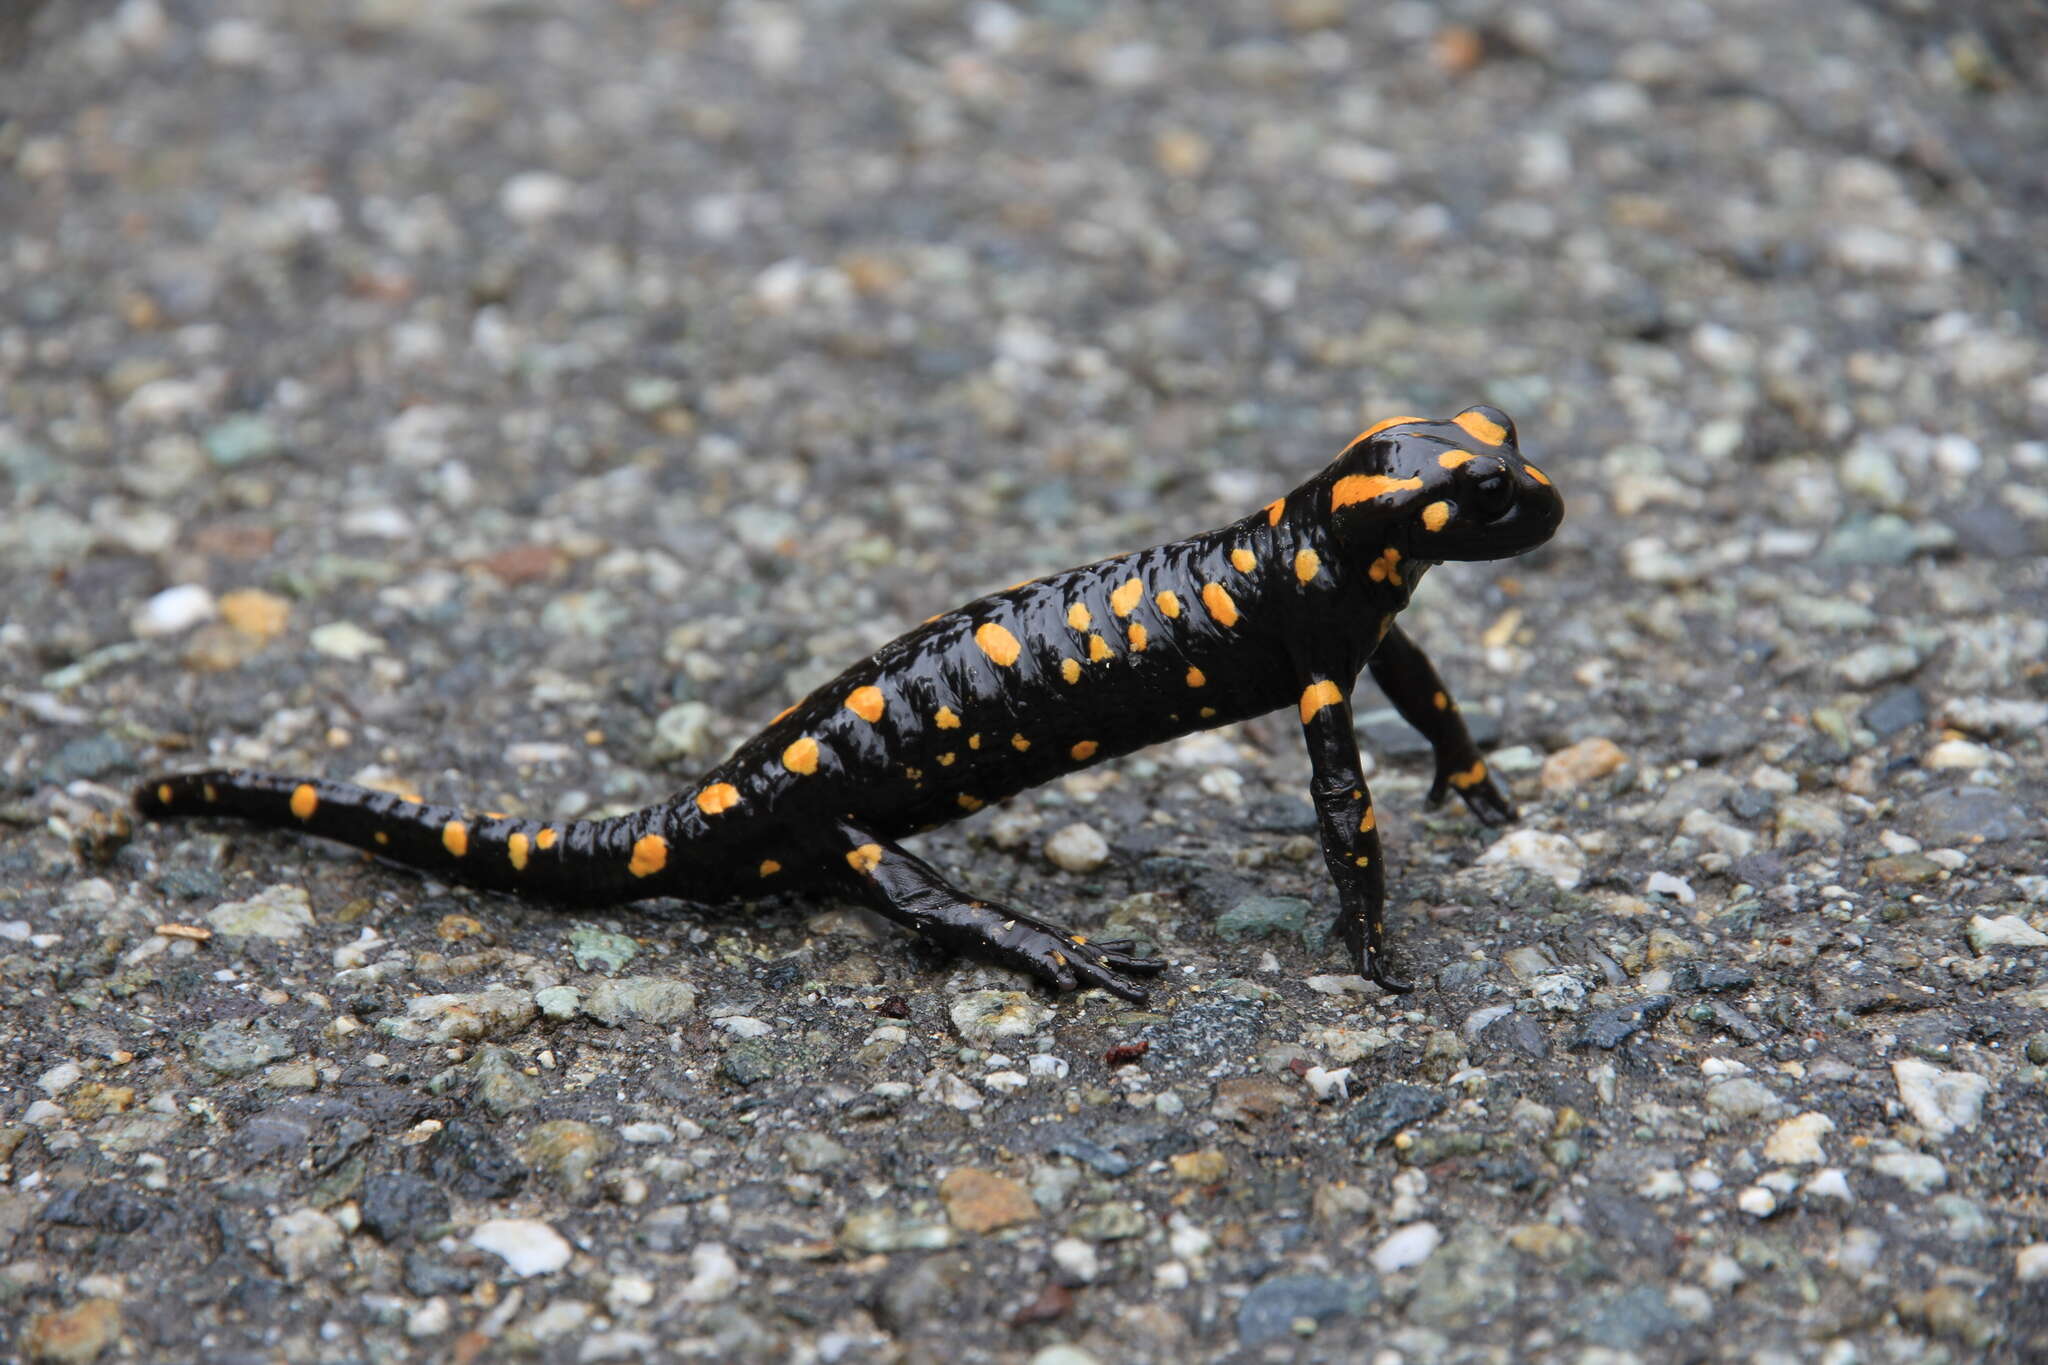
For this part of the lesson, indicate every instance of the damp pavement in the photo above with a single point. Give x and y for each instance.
(521, 402)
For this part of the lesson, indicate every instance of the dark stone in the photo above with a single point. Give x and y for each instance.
(749, 1062)
(1093, 1155)
(397, 1207)
(1732, 1022)
(1386, 1109)
(1198, 1035)
(268, 1137)
(1969, 815)
(103, 1208)
(933, 1289)
(1749, 803)
(1710, 976)
(1899, 709)
(1759, 869)
(1610, 1028)
(473, 1163)
(1519, 1032)
(1990, 530)
(427, 1274)
(1716, 735)
(1280, 815)
(1636, 1229)
(87, 757)
(1270, 1311)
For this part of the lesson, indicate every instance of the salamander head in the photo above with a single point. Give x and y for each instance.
(1441, 490)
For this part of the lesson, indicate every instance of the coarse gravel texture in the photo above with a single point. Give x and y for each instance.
(520, 401)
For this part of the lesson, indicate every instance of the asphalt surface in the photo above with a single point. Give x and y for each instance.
(519, 403)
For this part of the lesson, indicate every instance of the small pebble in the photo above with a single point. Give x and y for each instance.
(2030, 1263)
(2007, 931)
(1757, 1202)
(1077, 848)
(1796, 1141)
(1587, 761)
(1940, 1101)
(173, 611)
(526, 1245)
(1550, 855)
(1405, 1247)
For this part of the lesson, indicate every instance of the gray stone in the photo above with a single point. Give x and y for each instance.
(236, 1047)
(600, 950)
(1263, 917)
(1275, 1309)
(647, 999)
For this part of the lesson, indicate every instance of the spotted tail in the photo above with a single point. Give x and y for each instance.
(578, 861)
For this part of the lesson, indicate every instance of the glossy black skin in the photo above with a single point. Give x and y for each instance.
(874, 781)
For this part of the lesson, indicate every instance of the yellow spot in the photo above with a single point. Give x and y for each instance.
(545, 840)
(769, 867)
(1168, 603)
(650, 855)
(1125, 599)
(1367, 821)
(946, 760)
(1019, 743)
(801, 757)
(974, 741)
(866, 702)
(1307, 565)
(1471, 777)
(455, 837)
(1318, 695)
(1079, 617)
(304, 800)
(1208, 711)
(496, 815)
(516, 848)
(1377, 427)
(1481, 428)
(718, 797)
(1533, 472)
(970, 802)
(865, 858)
(1137, 637)
(777, 717)
(1083, 751)
(1442, 701)
(1436, 516)
(1217, 599)
(1451, 459)
(1365, 487)
(1273, 511)
(208, 791)
(1077, 939)
(1070, 669)
(913, 774)
(997, 643)
(382, 837)
(1242, 559)
(946, 720)
(1098, 649)
(163, 793)
(1197, 678)
(1386, 569)
(1362, 860)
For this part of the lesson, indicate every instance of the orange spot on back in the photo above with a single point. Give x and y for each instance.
(1218, 600)
(801, 757)
(650, 855)
(1377, 427)
(1019, 743)
(304, 800)
(1098, 648)
(997, 643)
(1480, 428)
(713, 800)
(1365, 487)
(1436, 516)
(1451, 459)
(769, 867)
(1083, 751)
(1442, 701)
(865, 858)
(545, 840)
(946, 760)
(783, 712)
(382, 837)
(1318, 695)
(1197, 678)
(1125, 599)
(1386, 569)
(970, 802)
(163, 793)
(946, 720)
(1367, 821)
(1307, 565)
(209, 791)
(516, 849)
(974, 741)
(455, 837)
(1070, 669)
(1079, 617)
(1168, 603)
(1274, 509)
(1137, 637)
(867, 703)
(1242, 559)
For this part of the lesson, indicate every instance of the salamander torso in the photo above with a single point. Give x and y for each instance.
(1282, 608)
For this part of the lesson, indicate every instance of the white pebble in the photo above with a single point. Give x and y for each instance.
(629, 1291)
(1832, 1183)
(344, 640)
(1796, 1142)
(1664, 884)
(1959, 753)
(174, 610)
(534, 196)
(1077, 848)
(1405, 1247)
(1551, 855)
(1917, 1171)
(1757, 1202)
(2007, 931)
(527, 1245)
(1076, 1259)
(1326, 1083)
(2030, 1263)
(59, 1078)
(1940, 1101)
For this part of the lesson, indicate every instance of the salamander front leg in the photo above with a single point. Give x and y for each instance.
(1403, 672)
(909, 891)
(1350, 830)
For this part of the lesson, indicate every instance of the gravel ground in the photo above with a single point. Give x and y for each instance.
(520, 401)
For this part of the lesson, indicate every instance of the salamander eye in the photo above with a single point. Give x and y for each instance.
(1492, 493)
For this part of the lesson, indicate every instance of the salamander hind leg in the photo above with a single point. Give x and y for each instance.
(909, 891)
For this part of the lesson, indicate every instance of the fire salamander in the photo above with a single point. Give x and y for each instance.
(1280, 609)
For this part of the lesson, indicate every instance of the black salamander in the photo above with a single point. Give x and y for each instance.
(1283, 608)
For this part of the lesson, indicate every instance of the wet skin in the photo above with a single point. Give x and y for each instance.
(1283, 608)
